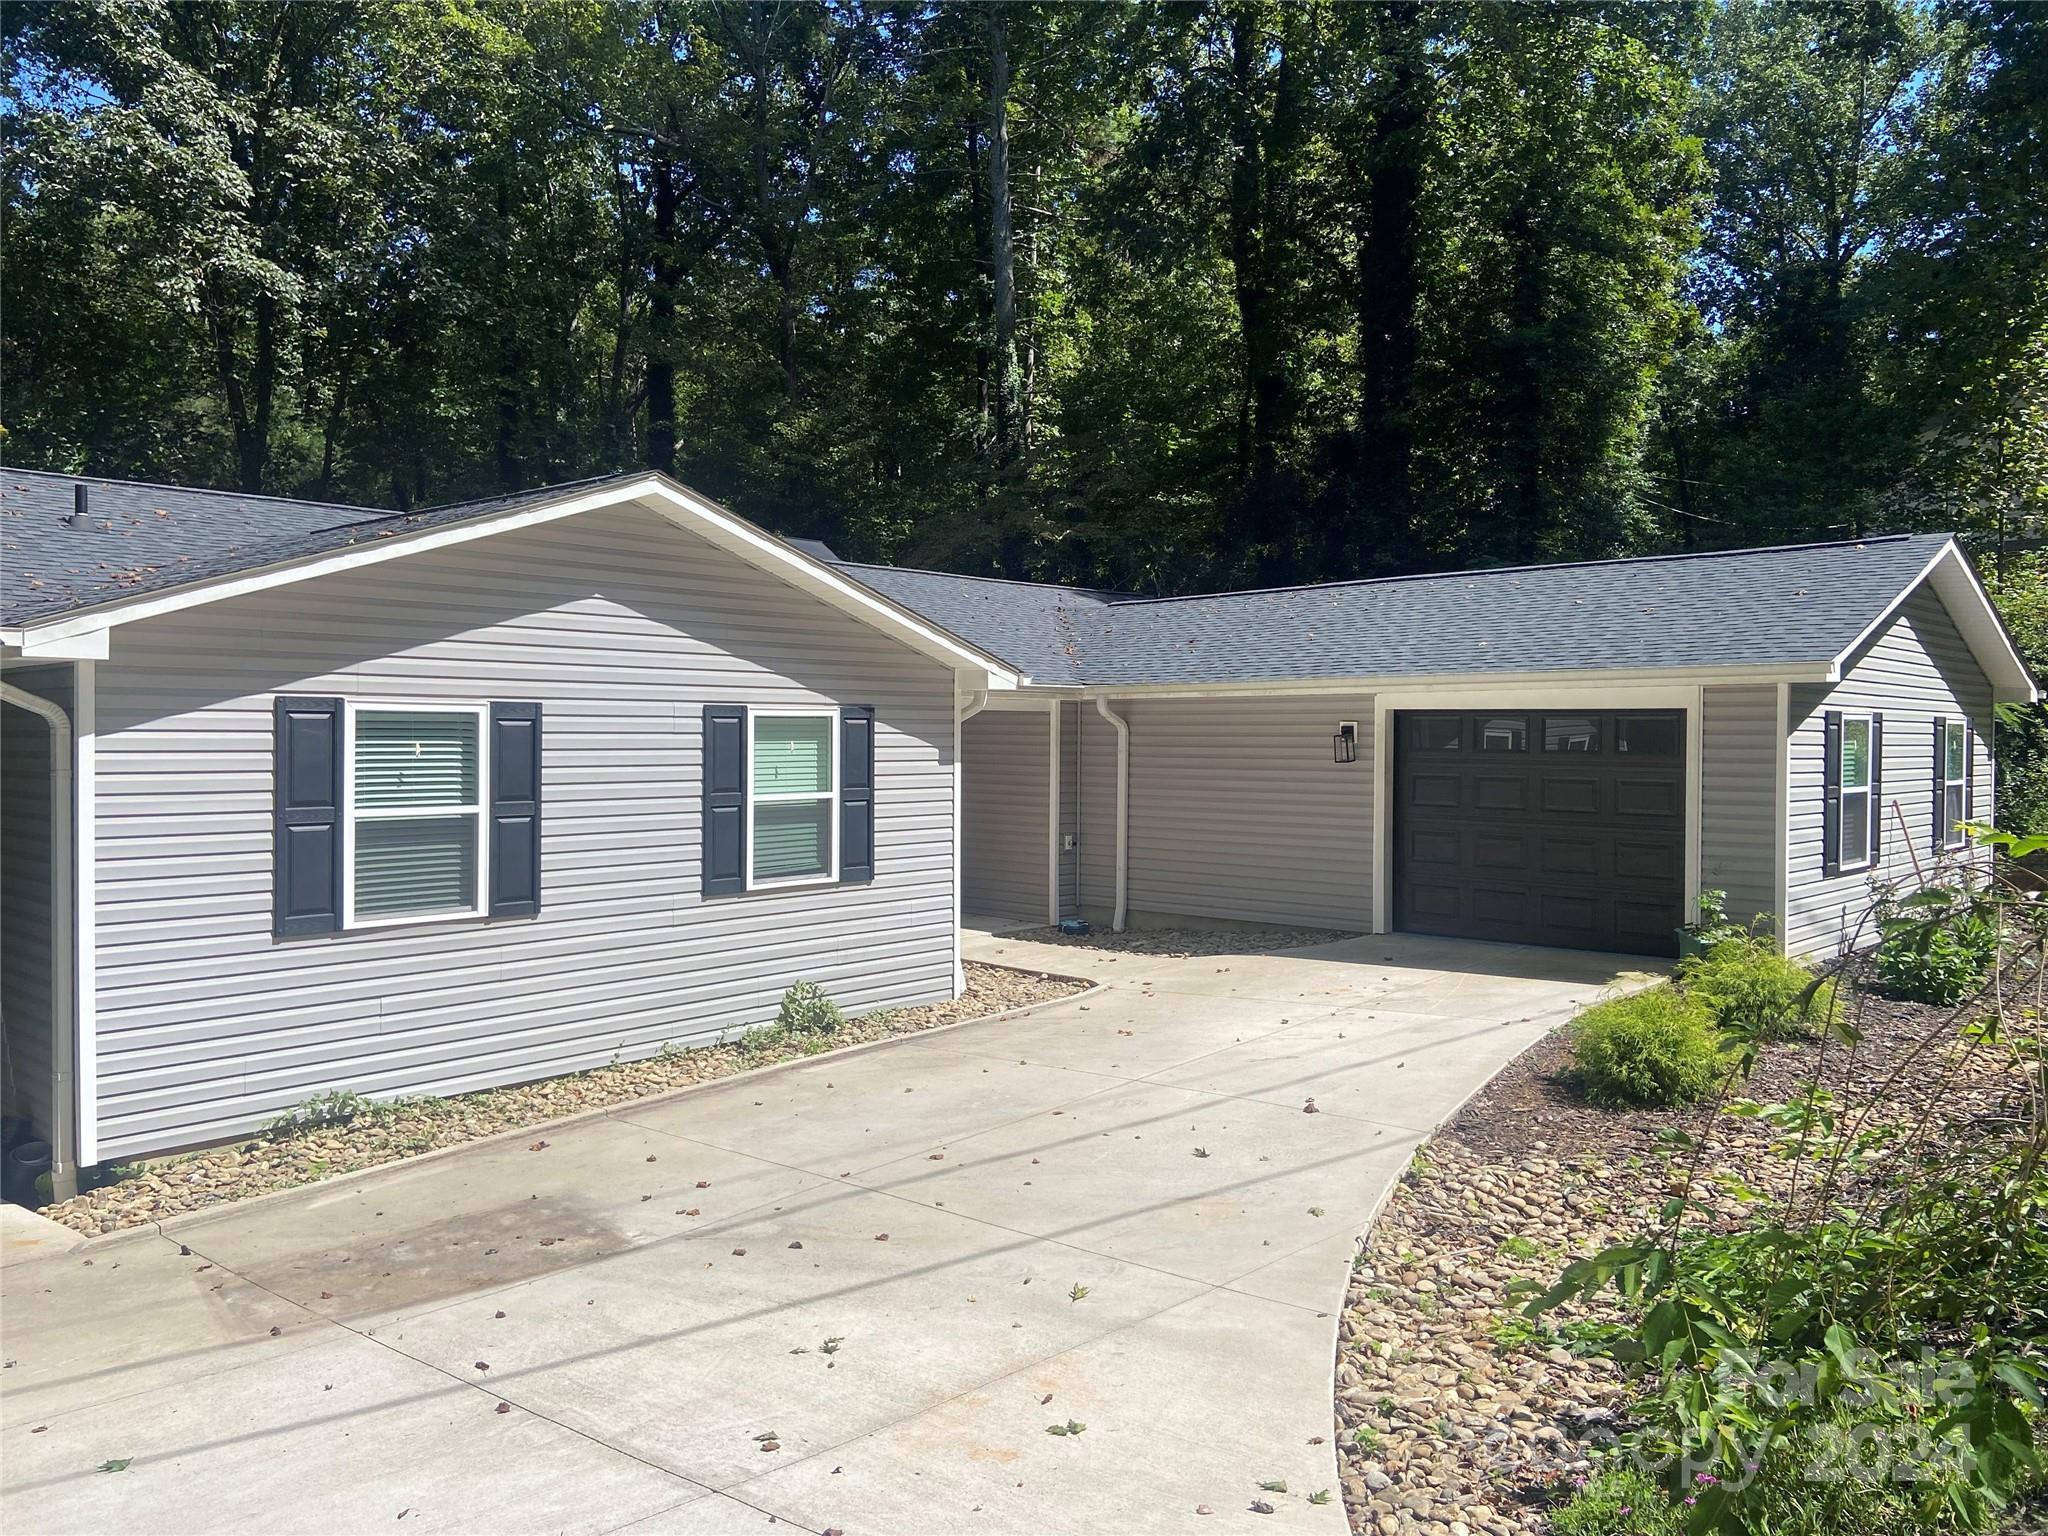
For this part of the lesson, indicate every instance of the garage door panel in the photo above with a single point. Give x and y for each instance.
(1439, 791)
(1498, 851)
(1646, 797)
(1500, 792)
(1549, 834)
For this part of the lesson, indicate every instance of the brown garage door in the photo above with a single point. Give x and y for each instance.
(1563, 828)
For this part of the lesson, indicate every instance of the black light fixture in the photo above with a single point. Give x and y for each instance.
(1344, 745)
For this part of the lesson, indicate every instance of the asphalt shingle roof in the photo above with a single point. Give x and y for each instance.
(137, 537)
(1804, 603)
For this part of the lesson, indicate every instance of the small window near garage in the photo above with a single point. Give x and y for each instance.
(1855, 814)
(1437, 733)
(1503, 733)
(415, 811)
(1955, 779)
(1647, 735)
(1571, 733)
(793, 774)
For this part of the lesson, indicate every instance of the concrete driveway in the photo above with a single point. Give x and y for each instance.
(904, 1263)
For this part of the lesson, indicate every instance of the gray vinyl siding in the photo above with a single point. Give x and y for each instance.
(1917, 668)
(27, 977)
(623, 627)
(1096, 805)
(1003, 810)
(1739, 798)
(1237, 811)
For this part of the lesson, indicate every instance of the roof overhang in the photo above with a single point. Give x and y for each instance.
(83, 634)
(1976, 619)
(1561, 677)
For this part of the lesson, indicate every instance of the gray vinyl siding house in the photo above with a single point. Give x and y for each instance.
(415, 803)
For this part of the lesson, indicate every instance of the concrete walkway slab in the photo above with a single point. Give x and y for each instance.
(1114, 1210)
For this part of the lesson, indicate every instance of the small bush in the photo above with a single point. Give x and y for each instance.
(1621, 1502)
(1936, 948)
(1754, 991)
(1654, 1047)
(337, 1106)
(807, 1013)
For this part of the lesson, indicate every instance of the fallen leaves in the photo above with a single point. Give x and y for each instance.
(1071, 1427)
(1077, 1292)
(538, 1146)
(118, 1464)
(502, 1407)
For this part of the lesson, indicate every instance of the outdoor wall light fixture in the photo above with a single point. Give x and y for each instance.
(1344, 745)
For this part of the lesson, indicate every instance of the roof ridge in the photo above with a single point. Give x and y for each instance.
(189, 490)
(1000, 581)
(1509, 570)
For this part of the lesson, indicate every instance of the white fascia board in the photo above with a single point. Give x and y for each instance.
(1606, 677)
(1975, 617)
(656, 492)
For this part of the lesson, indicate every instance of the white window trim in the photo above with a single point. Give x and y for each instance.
(1867, 791)
(831, 795)
(350, 814)
(1952, 835)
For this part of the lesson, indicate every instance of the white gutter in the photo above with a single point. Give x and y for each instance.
(1123, 810)
(64, 1048)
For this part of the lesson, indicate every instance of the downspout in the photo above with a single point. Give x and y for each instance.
(1123, 809)
(963, 711)
(64, 1048)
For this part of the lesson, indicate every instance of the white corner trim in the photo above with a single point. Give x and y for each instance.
(1687, 698)
(656, 492)
(85, 891)
(1783, 909)
(1052, 813)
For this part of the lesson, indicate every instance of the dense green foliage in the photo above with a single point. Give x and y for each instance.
(1651, 1047)
(1867, 1351)
(1157, 294)
(1936, 945)
(1748, 985)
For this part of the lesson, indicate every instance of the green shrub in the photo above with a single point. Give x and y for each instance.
(807, 1013)
(1755, 991)
(1621, 1502)
(1936, 948)
(1654, 1047)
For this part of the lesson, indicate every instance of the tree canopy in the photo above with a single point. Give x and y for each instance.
(1153, 295)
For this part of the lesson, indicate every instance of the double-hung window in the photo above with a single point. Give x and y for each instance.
(413, 842)
(793, 772)
(1954, 809)
(1856, 756)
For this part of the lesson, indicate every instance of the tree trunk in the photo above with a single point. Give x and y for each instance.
(978, 212)
(661, 329)
(1389, 287)
(1001, 245)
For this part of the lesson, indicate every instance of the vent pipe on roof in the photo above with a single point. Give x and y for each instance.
(80, 495)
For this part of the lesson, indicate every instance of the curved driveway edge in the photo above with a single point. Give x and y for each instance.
(854, 1293)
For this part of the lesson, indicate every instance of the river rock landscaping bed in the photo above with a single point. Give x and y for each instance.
(385, 1133)
(1455, 1414)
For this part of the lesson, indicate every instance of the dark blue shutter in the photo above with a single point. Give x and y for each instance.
(515, 810)
(857, 793)
(1831, 815)
(1940, 782)
(1876, 787)
(725, 799)
(305, 842)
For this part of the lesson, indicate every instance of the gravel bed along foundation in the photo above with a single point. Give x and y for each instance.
(1182, 943)
(1456, 1415)
(385, 1133)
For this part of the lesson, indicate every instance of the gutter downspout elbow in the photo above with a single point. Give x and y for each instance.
(63, 978)
(1123, 810)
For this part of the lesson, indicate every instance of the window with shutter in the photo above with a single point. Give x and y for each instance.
(793, 799)
(1854, 768)
(416, 808)
(1953, 809)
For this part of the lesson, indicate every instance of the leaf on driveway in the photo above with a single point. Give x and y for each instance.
(1077, 1292)
(502, 1408)
(1274, 1485)
(538, 1146)
(118, 1464)
(1261, 1507)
